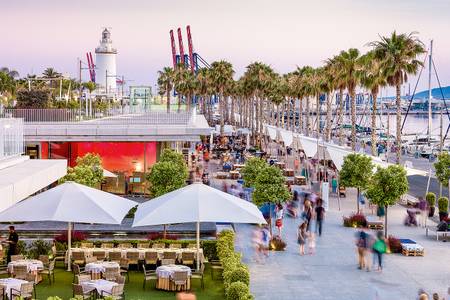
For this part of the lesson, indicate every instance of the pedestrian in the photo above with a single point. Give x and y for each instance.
(257, 244)
(301, 237)
(334, 185)
(379, 248)
(320, 214)
(311, 243)
(436, 296)
(265, 240)
(307, 214)
(423, 206)
(13, 239)
(279, 211)
(361, 246)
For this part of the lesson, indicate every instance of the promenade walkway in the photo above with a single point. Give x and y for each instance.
(332, 272)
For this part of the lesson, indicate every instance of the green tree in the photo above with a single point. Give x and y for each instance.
(252, 168)
(270, 187)
(165, 84)
(33, 99)
(442, 168)
(356, 172)
(398, 56)
(88, 171)
(169, 155)
(386, 187)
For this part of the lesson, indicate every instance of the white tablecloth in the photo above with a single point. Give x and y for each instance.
(11, 283)
(100, 285)
(99, 267)
(168, 270)
(32, 265)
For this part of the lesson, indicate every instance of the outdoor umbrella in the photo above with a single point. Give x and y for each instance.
(73, 203)
(196, 203)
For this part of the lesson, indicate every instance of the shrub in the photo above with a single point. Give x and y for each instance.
(39, 247)
(159, 236)
(355, 220)
(238, 291)
(443, 204)
(394, 244)
(431, 199)
(239, 273)
(277, 244)
(77, 236)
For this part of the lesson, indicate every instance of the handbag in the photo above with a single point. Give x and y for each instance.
(278, 223)
(379, 246)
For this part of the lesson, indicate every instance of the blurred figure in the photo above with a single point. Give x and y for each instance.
(257, 244)
(301, 237)
(307, 214)
(279, 211)
(265, 240)
(436, 296)
(311, 243)
(423, 206)
(361, 246)
(320, 214)
(334, 185)
(379, 248)
(186, 296)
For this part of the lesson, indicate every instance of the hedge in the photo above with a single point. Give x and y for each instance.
(236, 277)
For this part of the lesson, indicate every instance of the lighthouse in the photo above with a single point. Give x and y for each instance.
(105, 58)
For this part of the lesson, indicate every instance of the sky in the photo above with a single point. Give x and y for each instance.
(284, 33)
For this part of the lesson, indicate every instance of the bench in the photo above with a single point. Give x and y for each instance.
(436, 232)
(409, 200)
(373, 223)
(409, 249)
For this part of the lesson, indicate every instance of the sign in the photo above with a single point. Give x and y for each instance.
(325, 194)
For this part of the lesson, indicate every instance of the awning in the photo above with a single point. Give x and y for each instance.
(272, 132)
(337, 154)
(26, 177)
(286, 137)
(309, 145)
(110, 174)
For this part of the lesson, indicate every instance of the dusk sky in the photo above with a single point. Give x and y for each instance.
(284, 34)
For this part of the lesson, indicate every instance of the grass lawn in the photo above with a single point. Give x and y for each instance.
(133, 289)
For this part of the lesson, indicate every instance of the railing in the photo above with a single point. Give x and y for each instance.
(125, 115)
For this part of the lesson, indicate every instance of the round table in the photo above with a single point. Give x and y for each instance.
(32, 265)
(11, 283)
(100, 285)
(165, 273)
(97, 268)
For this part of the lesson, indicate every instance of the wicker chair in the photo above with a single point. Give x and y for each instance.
(199, 275)
(180, 279)
(149, 275)
(187, 258)
(2, 291)
(119, 279)
(25, 292)
(87, 245)
(143, 245)
(78, 292)
(169, 255)
(49, 271)
(100, 255)
(77, 270)
(124, 268)
(107, 245)
(125, 245)
(20, 272)
(158, 246)
(110, 273)
(4, 269)
(151, 258)
(78, 258)
(90, 259)
(167, 261)
(117, 292)
(82, 278)
(59, 255)
(133, 258)
(45, 259)
(175, 246)
(192, 246)
(115, 256)
(17, 257)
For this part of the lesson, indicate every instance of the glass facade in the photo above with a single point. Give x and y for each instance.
(11, 137)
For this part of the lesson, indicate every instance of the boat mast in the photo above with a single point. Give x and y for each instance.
(430, 66)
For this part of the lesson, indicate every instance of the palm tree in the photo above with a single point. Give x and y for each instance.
(327, 87)
(51, 74)
(11, 73)
(372, 78)
(307, 74)
(8, 87)
(398, 56)
(204, 89)
(165, 84)
(349, 63)
(221, 77)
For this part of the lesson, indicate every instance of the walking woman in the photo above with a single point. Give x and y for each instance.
(301, 237)
(308, 214)
(379, 248)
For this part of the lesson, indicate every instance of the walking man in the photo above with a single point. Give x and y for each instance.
(13, 239)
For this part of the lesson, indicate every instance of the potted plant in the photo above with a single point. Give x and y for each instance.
(431, 199)
(443, 208)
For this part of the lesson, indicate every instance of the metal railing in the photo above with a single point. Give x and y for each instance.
(125, 115)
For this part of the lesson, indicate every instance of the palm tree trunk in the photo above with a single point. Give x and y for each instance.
(399, 121)
(308, 121)
(179, 103)
(300, 115)
(341, 116)
(374, 123)
(232, 110)
(353, 101)
(188, 102)
(168, 100)
(328, 130)
(283, 112)
(221, 110)
(318, 115)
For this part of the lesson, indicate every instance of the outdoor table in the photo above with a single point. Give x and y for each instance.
(165, 273)
(99, 285)
(11, 283)
(178, 253)
(288, 172)
(97, 268)
(221, 175)
(33, 266)
(300, 180)
(280, 165)
(238, 166)
(234, 174)
(289, 180)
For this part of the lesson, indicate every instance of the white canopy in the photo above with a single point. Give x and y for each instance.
(107, 173)
(196, 203)
(70, 202)
(337, 154)
(309, 145)
(272, 132)
(227, 129)
(286, 137)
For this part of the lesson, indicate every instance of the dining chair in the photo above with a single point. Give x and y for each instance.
(158, 246)
(17, 257)
(87, 245)
(133, 258)
(115, 256)
(107, 245)
(25, 291)
(180, 279)
(125, 245)
(100, 255)
(143, 245)
(167, 261)
(170, 255)
(117, 292)
(124, 268)
(175, 246)
(187, 258)
(149, 275)
(151, 258)
(199, 275)
(78, 258)
(44, 259)
(110, 273)
(82, 278)
(79, 292)
(49, 271)
(20, 272)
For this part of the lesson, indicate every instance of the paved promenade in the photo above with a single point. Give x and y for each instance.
(332, 272)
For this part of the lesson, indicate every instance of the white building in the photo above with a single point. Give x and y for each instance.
(105, 63)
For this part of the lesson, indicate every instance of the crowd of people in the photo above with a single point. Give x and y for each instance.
(368, 245)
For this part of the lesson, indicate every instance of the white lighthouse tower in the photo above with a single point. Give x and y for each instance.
(105, 58)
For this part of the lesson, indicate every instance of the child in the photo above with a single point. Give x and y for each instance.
(301, 237)
(311, 243)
